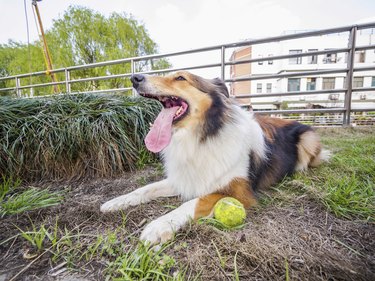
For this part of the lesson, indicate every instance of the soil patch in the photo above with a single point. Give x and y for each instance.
(293, 240)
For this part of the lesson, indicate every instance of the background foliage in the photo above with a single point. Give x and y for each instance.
(82, 36)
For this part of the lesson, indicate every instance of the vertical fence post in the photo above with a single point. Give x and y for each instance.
(132, 70)
(18, 84)
(223, 63)
(67, 81)
(349, 76)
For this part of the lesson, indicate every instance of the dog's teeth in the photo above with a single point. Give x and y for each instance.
(178, 111)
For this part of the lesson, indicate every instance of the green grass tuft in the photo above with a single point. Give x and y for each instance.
(15, 201)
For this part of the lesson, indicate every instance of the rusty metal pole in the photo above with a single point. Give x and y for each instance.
(46, 52)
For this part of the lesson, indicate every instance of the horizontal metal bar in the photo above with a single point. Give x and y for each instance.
(181, 68)
(320, 110)
(286, 75)
(310, 101)
(306, 54)
(291, 36)
(367, 47)
(363, 109)
(41, 85)
(297, 93)
(7, 89)
(105, 91)
(100, 78)
(364, 68)
(364, 89)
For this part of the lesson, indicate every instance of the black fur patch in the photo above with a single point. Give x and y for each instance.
(217, 114)
(281, 158)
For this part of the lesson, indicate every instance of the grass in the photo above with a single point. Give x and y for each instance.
(13, 200)
(73, 136)
(344, 187)
(124, 261)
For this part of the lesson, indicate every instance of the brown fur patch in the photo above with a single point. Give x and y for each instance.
(238, 188)
(189, 90)
(269, 125)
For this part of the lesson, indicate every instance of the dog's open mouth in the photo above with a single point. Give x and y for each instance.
(160, 134)
(171, 102)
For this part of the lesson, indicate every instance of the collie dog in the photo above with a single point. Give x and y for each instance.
(212, 148)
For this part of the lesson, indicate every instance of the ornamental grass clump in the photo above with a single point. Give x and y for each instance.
(72, 137)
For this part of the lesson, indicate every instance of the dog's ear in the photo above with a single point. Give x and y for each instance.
(221, 86)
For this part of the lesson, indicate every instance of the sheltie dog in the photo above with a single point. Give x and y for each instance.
(212, 148)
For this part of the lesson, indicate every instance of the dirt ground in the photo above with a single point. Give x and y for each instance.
(294, 240)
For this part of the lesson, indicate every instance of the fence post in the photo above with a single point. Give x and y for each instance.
(349, 76)
(18, 84)
(132, 70)
(67, 81)
(223, 63)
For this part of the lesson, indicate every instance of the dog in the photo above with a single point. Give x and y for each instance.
(212, 148)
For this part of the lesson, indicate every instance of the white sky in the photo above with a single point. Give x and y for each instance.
(177, 25)
(184, 24)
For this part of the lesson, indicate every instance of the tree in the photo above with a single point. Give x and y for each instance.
(83, 36)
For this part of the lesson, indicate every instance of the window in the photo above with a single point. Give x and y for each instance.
(330, 58)
(294, 84)
(359, 56)
(269, 88)
(328, 83)
(259, 87)
(297, 60)
(357, 82)
(311, 84)
(270, 61)
(312, 59)
(373, 81)
(260, 62)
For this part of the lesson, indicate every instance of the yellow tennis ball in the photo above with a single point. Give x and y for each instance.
(230, 212)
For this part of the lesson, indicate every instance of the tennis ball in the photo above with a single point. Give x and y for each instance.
(230, 212)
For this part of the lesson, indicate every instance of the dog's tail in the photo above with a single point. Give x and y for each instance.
(323, 156)
(310, 151)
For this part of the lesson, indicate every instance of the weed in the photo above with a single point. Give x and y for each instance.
(30, 199)
(35, 237)
(8, 185)
(144, 263)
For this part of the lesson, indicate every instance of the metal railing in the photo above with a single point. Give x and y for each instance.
(221, 64)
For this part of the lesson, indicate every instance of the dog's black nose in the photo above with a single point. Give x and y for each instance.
(137, 79)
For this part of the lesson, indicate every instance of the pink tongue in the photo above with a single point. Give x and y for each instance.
(160, 133)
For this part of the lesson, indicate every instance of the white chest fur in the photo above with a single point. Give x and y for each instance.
(196, 168)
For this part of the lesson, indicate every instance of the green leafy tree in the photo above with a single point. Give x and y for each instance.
(83, 36)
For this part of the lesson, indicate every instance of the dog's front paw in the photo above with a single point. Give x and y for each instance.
(158, 231)
(120, 203)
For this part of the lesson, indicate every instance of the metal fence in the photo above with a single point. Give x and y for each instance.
(221, 65)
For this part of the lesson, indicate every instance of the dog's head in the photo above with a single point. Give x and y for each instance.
(189, 101)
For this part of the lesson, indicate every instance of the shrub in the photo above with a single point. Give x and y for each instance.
(72, 136)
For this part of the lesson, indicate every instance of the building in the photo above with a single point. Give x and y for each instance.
(314, 82)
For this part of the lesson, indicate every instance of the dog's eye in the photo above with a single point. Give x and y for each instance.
(180, 78)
